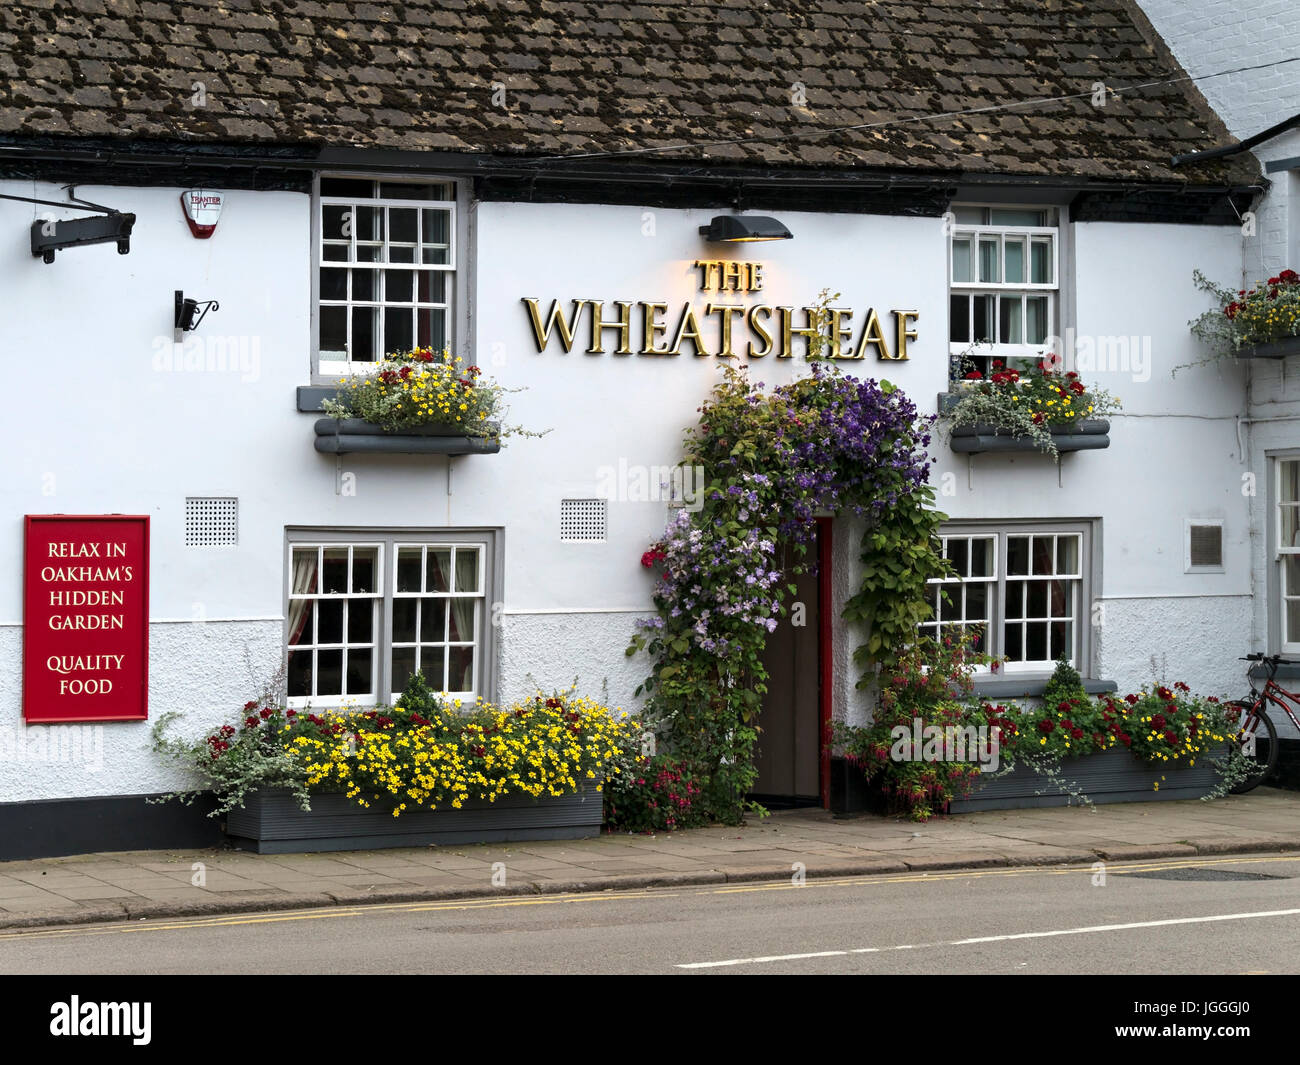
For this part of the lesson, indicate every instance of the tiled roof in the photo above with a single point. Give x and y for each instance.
(570, 77)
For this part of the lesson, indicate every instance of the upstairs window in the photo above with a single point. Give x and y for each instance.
(386, 270)
(1003, 284)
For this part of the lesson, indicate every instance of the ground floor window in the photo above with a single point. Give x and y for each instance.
(1287, 506)
(1027, 587)
(364, 611)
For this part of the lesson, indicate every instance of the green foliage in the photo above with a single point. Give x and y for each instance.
(1064, 685)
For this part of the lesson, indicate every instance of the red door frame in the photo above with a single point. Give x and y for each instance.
(824, 630)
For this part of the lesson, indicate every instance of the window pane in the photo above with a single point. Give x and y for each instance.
(399, 254)
(1060, 595)
(329, 621)
(950, 609)
(363, 285)
(1067, 554)
(1036, 642)
(300, 673)
(1041, 262)
(334, 331)
(1013, 642)
(408, 569)
(399, 334)
(460, 623)
(1291, 621)
(360, 672)
(1291, 575)
(433, 663)
(433, 620)
(1290, 534)
(438, 578)
(1017, 216)
(1043, 556)
(402, 222)
(359, 187)
(959, 319)
(1015, 599)
(1017, 555)
(460, 669)
(957, 552)
(432, 329)
(361, 620)
(990, 267)
(404, 667)
(1036, 605)
(404, 620)
(329, 672)
(981, 557)
(961, 248)
(334, 221)
(977, 602)
(399, 286)
(336, 253)
(368, 223)
(1036, 315)
(432, 286)
(983, 318)
(365, 342)
(466, 570)
(1061, 643)
(334, 576)
(410, 190)
(305, 579)
(364, 561)
(1289, 475)
(1015, 261)
(302, 623)
(1009, 326)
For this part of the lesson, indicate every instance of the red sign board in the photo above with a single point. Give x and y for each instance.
(86, 618)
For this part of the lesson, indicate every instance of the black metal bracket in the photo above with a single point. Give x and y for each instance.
(186, 309)
(54, 235)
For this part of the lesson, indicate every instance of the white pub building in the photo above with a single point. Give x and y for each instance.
(208, 223)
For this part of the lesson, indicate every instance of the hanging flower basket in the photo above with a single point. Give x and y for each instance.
(1087, 435)
(1274, 349)
(339, 436)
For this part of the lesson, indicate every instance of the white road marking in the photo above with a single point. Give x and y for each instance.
(991, 939)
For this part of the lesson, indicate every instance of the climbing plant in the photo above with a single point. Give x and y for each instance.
(772, 460)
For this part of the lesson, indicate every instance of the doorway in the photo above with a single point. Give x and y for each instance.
(791, 753)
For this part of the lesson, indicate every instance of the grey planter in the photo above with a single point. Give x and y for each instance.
(1089, 435)
(1274, 349)
(339, 436)
(1110, 776)
(271, 822)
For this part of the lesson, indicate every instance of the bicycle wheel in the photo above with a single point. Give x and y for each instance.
(1257, 737)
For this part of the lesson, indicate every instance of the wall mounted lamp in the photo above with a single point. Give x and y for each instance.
(743, 228)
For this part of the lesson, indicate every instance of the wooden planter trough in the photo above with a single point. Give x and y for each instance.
(341, 436)
(1274, 349)
(1087, 435)
(271, 822)
(1109, 776)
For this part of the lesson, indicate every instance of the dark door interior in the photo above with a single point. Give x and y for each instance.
(789, 755)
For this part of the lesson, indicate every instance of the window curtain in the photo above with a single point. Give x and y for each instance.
(463, 608)
(304, 580)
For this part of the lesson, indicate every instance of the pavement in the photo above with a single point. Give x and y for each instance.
(137, 885)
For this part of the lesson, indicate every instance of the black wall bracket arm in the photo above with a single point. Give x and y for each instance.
(53, 235)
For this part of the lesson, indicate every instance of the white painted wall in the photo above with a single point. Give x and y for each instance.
(97, 424)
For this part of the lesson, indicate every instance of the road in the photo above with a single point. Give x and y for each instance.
(1234, 914)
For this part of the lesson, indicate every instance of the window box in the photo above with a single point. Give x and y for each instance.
(271, 822)
(1104, 777)
(1083, 436)
(339, 436)
(1274, 349)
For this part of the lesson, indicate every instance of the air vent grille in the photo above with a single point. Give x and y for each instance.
(582, 521)
(211, 521)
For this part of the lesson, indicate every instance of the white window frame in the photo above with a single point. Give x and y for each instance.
(995, 642)
(1002, 289)
(1282, 552)
(453, 269)
(486, 542)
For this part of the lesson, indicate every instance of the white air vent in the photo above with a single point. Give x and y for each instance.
(1204, 545)
(582, 521)
(211, 522)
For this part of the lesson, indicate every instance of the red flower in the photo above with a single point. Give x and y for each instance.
(251, 721)
(1288, 277)
(1126, 739)
(250, 705)
(1063, 705)
(1158, 721)
(1230, 311)
(1274, 280)
(291, 713)
(974, 375)
(1131, 699)
(1046, 727)
(1077, 388)
(553, 704)
(1071, 374)
(1076, 733)
(266, 712)
(1170, 737)
(997, 364)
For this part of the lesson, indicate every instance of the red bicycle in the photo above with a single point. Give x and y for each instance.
(1256, 734)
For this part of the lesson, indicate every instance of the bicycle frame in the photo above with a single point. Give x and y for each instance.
(1277, 695)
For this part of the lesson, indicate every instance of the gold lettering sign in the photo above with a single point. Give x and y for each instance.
(738, 327)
